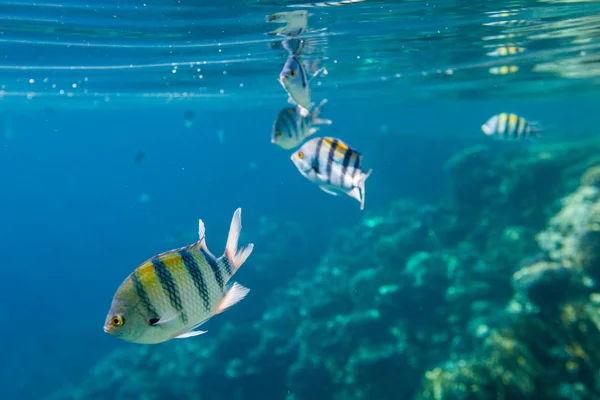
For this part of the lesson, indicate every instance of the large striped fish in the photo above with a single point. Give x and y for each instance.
(510, 127)
(173, 293)
(334, 166)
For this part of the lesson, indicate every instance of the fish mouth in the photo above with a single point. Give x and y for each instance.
(108, 329)
(486, 129)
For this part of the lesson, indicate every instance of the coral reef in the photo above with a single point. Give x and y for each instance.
(551, 348)
(489, 295)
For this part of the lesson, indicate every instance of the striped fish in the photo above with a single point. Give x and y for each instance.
(334, 166)
(511, 127)
(291, 127)
(296, 82)
(296, 23)
(173, 293)
(327, 4)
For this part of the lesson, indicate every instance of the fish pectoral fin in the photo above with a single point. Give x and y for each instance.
(166, 317)
(323, 188)
(235, 293)
(190, 334)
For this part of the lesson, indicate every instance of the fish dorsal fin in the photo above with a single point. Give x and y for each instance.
(341, 149)
(201, 243)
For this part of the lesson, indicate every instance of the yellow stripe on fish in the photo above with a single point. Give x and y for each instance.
(506, 50)
(169, 295)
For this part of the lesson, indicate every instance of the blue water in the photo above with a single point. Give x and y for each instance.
(99, 170)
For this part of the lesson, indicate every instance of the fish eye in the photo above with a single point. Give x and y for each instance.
(279, 134)
(300, 155)
(117, 321)
(292, 73)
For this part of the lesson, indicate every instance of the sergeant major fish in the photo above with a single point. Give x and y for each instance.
(510, 126)
(334, 166)
(291, 128)
(171, 294)
(296, 82)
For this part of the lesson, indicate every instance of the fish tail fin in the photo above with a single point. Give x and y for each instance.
(315, 115)
(236, 256)
(361, 186)
(537, 130)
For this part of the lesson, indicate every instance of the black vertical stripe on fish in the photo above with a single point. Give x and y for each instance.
(288, 122)
(143, 296)
(517, 127)
(345, 164)
(317, 164)
(169, 286)
(303, 73)
(195, 273)
(226, 263)
(214, 267)
(330, 156)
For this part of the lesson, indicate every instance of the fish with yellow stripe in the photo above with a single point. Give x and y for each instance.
(511, 127)
(334, 166)
(171, 294)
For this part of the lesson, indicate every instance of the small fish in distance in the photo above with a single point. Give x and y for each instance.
(510, 127)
